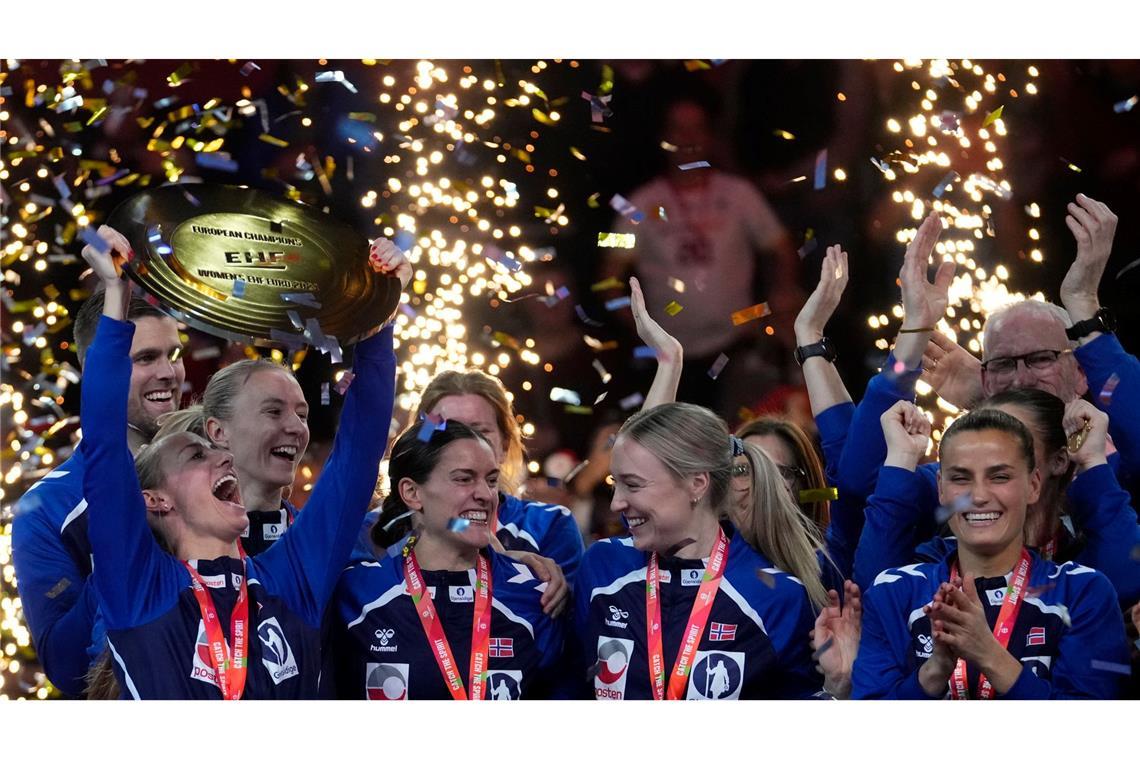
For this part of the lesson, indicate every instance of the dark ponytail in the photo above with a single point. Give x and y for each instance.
(415, 458)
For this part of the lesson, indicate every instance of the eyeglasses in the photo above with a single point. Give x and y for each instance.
(787, 472)
(1035, 362)
(791, 474)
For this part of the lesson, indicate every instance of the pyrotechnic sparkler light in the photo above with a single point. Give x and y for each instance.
(947, 157)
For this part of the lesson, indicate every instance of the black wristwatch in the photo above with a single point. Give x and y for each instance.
(824, 348)
(1102, 321)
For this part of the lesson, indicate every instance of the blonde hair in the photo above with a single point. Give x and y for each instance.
(100, 682)
(689, 439)
(226, 383)
(192, 419)
(478, 383)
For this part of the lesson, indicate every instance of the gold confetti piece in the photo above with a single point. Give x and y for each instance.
(542, 118)
(96, 116)
(616, 240)
(598, 345)
(752, 312)
(673, 308)
(784, 134)
(522, 155)
(607, 284)
(185, 112)
(507, 340)
(179, 75)
(273, 140)
(696, 65)
(578, 409)
(676, 285)
(808, 495)
(577, 153)
(993, 116)
(362, 116)
(592, 201)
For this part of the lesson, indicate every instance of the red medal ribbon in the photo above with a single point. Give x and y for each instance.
(1003, 628)
(230, 671)
(433, 628)
(699, 616)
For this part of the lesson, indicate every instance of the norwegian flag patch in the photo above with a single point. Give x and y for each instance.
(722, 632)
(501, 648)
(1036, 637)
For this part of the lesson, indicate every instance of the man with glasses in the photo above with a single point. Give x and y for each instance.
(50, 549)
(1069, 352)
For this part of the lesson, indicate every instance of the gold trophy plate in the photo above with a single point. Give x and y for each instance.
(251, 267)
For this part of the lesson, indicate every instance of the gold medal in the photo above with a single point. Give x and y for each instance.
(1077, 439)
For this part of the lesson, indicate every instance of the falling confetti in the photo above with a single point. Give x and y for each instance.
(631, 401)
(431, 423)
(809, 245)
(752, 312)
(694, 165)
(820, 170)
(617, 303)
(961, 503)
(810, 495)
(673, 308)
(335, 76)
(602, 373)
(718, 366)
(1126, 105)
(993, 116)
(944, 184)
(607, 284)
(582, 315)
(616, 240)
(626, 209)
(458, 524)
(564, 396)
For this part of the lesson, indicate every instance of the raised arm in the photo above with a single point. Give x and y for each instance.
(824, 385)
(924, 303)
(895, 510)
(665, 346)
(1113, 374)
(1093, 226)
(306, 562)
(133, 576)
(1099, 507)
